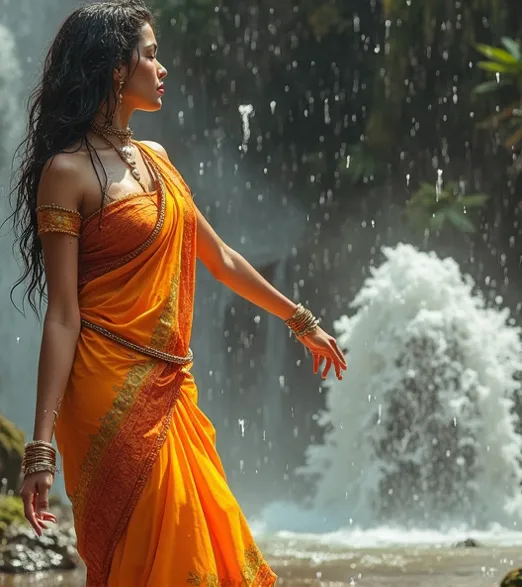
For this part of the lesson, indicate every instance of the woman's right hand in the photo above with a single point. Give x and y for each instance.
(35, 495)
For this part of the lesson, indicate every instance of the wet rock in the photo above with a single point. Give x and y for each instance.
(11, 454)
(23, 552)
(468, 543)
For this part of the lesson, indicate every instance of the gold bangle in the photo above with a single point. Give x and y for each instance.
(40, 469)
(39, 443)
(302, 322)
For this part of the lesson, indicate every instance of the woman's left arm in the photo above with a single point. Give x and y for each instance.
(234, 271)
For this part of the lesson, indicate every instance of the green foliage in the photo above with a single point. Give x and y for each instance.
(11, 452)
(11, 438)
(11, 512)
(508, 62)
(437, 208)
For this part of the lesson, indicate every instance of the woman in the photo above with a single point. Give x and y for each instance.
(112, 226)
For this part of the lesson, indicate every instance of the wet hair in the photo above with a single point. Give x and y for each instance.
(77, 82)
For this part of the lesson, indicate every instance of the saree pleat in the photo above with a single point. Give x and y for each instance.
(151, 504)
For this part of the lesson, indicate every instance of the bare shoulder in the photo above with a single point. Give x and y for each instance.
(61, 181)
(159, 149)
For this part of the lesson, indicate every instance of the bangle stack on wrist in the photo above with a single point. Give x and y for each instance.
(39, 456)
(302, 322)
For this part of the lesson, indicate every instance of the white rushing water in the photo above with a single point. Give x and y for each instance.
(421, 432)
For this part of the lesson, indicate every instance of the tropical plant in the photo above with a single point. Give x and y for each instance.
(506, 65)
(437, 207)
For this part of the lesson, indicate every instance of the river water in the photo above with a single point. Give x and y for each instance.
(341, 559)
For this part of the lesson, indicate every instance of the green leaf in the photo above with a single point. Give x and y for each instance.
(460, 220)
(425, 195)
(512, 46)
(496, 54)
(474, 200)
(493, 66)
(492, 86)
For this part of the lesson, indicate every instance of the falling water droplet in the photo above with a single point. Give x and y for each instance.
(327, 118)
(439, 184)
(246, 111)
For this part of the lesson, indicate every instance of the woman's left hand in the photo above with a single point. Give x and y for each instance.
(324, 348)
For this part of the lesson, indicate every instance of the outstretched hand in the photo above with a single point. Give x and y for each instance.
(324, 348)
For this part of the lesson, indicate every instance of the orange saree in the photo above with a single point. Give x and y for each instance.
(151, 504)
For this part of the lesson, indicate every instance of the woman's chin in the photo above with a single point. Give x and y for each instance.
(154, 106)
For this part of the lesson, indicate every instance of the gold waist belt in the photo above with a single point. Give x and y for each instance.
(146, 350)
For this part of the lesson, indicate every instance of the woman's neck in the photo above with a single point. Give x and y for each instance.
(120, 121)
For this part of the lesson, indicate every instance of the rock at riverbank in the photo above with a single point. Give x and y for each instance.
(468, 543)
(23, 552)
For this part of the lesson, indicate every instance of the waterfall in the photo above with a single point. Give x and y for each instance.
(26, 26)
(17, 335)
(422, 429)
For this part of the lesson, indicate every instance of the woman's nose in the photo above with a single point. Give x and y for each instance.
(162, 72)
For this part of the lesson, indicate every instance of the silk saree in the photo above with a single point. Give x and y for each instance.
(151, 504)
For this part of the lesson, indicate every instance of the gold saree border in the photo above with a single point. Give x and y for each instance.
(255, 573)
(119, 481)
(125, 398)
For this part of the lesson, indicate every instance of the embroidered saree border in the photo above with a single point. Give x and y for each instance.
(119, 481)
(124, 400)
(255, 573)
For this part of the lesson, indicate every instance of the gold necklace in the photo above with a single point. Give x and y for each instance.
(125, 134)
(126, 152)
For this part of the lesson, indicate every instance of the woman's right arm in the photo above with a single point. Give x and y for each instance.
(59, 185)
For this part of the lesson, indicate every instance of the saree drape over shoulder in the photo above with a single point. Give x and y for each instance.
(151, 504)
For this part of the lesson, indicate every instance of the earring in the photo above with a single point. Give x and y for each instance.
(120, 95)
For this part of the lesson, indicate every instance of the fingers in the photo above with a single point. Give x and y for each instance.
(35, 496)
(42, 501)
(338, 354)
(48, 517)
(317, 362)
(339, 360)
(327, 367)
(27, 495)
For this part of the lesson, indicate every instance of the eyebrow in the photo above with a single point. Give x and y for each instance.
(151, 45)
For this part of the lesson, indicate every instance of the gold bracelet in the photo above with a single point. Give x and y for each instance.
(40, 443)
(40, 469)
(302, 322)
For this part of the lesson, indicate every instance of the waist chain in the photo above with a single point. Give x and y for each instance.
(145, 350)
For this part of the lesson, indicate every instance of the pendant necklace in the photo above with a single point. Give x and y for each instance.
(126, 152)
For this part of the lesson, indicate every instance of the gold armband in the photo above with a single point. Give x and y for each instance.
(53, 218)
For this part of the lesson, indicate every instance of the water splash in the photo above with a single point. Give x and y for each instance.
(246, 111)
(422, 428)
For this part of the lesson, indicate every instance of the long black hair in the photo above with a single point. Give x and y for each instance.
(77, 82)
